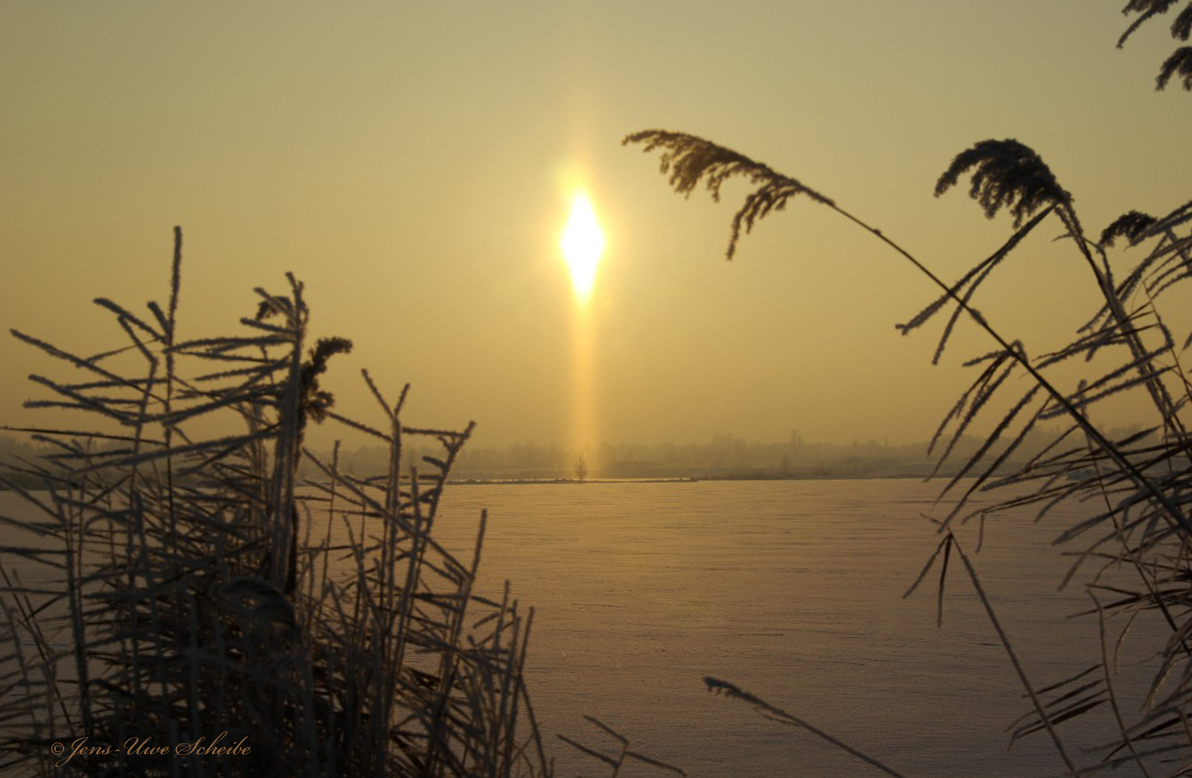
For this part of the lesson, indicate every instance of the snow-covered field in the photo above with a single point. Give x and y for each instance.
(793, 591)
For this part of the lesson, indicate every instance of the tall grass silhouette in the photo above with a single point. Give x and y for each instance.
(204, 595)
(1137, 487)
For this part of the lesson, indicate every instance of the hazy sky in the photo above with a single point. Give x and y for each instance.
(413, 164)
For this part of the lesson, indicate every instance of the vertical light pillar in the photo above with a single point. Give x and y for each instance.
(582, 244)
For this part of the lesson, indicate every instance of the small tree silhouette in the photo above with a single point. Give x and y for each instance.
(581, 468)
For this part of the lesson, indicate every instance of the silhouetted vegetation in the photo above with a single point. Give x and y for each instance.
(176, 584)
(1180, 61)
(208, 598)
(1135, 486)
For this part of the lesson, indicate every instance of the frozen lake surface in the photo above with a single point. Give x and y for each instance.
(792, 590)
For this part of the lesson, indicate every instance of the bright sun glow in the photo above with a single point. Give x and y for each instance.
(582, 245)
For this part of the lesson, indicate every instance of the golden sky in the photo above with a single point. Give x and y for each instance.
(414, 163)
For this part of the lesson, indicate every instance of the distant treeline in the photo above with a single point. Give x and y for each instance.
(17, 453)
(724, 456)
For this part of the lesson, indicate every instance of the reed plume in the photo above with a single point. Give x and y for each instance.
(1179, 62)
(1131, 225)
(690, 160)
(1005, 174)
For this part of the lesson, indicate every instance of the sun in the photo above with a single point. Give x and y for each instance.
(582, 244)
